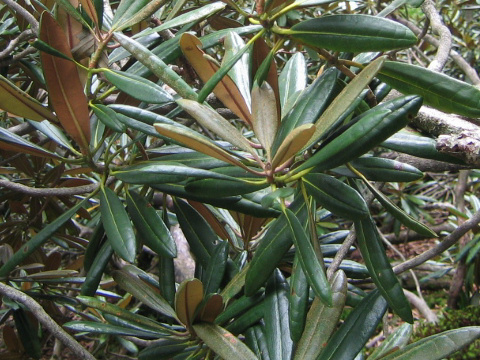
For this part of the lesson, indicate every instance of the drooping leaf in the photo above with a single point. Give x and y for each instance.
(102, 328)
(187, 299)
(90, 9)
(397, 340)
(298, 300)
(379, 267)
(225, 90)
(224, 343)
(96, 270)
(438, 346)
(322, 320)
(215, 270)
(352, 33)
(19, 103)
(63, 83)
(138, 87)
(314, 270)
(164, 349)
(27, 333)
(438, 90)
(150, 225)
(117, 225)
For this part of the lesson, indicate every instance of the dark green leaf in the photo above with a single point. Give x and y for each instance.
(353, 33)
(164, 349)
(397, 340)
(354, 333)
(377, 262)
(117, 225)
(101, 328)
(96, 270)
(298, 300)
(277, 329)
(108, 117)
(213, 275)
(292, 80)
(438, 90)
(336, 196)
(150, 225)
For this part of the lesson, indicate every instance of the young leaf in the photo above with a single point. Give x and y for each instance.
(117, 225)
(216, 123)
(138, 87)
(352, 33)
(438, 90)
(314, 271)
(150, 226)
(223, 342)
(19, 103)
(322, 320)
(197, 142)
(64, 87)
(189, 296)
(439, 346)
(225, 90)
(293, 143)
(264, 115)
(380, 269)
(346, 97)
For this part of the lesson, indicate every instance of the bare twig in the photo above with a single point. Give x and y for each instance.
(441, 247)
(24, 13)
(421, 306)
(467, 69)
(46, 320)
(23, 36)
(445, 43)
(63, 191)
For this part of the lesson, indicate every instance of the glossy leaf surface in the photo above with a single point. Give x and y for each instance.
(187, 299)
(353, 33)
(117, 225)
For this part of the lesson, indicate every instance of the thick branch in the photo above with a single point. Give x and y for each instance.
(46, 320)
(440, 248)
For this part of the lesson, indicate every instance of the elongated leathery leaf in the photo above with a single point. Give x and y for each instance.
(380, 269)
(15, 143)
(117, 225)
(438, 346)
(138, 87)
(256, 340)
(314, 271)
(213, 274)
(353, 33)
(108, 117)
(276, 242)
(163, 349)
(438, 90)
(96, 270)
(354, 333)
(39, 239)
(292, 80)
(292, 144)
(223, 342)
(198, 232)
(101, 328)
(298, 300)
(336, 196)
(130, 12)
(363, 135)
(322, 320)
(143, 292)
(150, 225)
(280, 345)
(187, 299)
